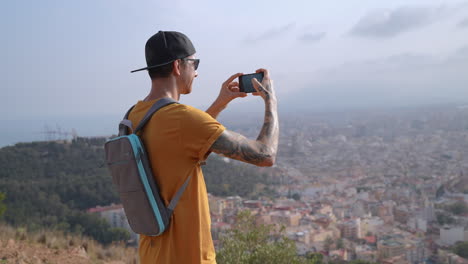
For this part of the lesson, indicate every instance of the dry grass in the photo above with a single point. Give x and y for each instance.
(46, 246)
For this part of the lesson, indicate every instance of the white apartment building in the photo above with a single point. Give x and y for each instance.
(451, 235)
(115, 216)
(370, 224)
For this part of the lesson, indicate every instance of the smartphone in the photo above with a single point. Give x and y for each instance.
(245, 82)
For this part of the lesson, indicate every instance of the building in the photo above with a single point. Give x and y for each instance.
(351, 229)
(370, 225)
(417, 224)
(395, 260)
(448, 257)
(285, 218)
(219, 228)
(366, 253)
(114, 214)
(390, 246)
(451, 235)
(401, 214)
(417, 252)
(252, 204)
(233, 202)
(217, 205)
(320, 234)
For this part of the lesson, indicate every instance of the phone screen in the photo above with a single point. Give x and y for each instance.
(245, 82)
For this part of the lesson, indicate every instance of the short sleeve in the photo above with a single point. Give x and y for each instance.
(199, 131)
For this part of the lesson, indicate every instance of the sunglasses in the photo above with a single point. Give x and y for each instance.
(195, 62)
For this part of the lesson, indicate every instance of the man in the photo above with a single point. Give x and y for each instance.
(179, 138)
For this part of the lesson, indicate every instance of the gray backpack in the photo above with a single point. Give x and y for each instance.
(132, 175)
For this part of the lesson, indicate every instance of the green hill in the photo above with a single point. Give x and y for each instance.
(51, 184)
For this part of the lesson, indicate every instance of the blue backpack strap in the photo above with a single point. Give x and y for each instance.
(156, 106)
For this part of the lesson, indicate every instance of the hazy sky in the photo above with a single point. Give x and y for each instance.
(73, 58)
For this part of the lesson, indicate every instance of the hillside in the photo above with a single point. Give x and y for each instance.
(51, 184)
(19, 246)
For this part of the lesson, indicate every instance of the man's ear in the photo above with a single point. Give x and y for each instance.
(176, 67)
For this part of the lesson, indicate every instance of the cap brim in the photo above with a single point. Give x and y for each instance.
(151, 67)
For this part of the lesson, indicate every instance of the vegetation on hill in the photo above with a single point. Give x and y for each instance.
(2, 205)
(226, 177)
(461, 249)
(17, 245)
(251, 243)
(51, 184)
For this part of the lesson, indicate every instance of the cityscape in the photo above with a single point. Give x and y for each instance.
(383, 186)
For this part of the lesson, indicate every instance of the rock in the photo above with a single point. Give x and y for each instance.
(22, 255)
(79, 251)
(11, 243)
(20, 261)
(36, 260)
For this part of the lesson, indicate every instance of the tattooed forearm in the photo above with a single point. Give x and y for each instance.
(261, 152)
(233, 145)
(270, 130)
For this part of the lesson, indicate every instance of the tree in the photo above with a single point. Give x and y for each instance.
(339, 244)
(296, 196)
(327, 243)
(315, 258)
(440, 191)
(250, 243)
(119, 234)
(458, 208)
(444, 218)
(2, 205)
(461, 249)
(358, 261)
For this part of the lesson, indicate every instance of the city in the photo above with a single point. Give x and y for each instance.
(383, 186)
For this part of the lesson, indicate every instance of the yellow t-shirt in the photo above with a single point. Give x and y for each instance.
(177, 139)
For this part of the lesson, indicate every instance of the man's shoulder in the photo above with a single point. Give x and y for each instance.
(188, 108)
(179, 111)
(190, 111)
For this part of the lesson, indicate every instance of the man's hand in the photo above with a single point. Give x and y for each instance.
(264, 89)
(229, 91)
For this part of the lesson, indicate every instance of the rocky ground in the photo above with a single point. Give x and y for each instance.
(26, 252)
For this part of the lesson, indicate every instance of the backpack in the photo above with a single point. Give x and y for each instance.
(133, 178)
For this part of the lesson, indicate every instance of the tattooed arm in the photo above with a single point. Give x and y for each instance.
(260, 152)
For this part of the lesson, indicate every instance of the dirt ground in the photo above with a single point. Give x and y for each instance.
(23, 252)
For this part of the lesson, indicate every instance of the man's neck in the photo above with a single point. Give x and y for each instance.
(163, 88)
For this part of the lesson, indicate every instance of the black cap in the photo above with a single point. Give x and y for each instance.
(165, 47)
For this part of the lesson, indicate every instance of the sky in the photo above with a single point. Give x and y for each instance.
(63, 59)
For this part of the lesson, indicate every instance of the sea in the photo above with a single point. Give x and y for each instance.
(48, 128)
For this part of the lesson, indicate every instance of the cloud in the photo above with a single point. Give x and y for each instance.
(312, 37)
(272, 33)
(463, 23)
(402, 80)
(389, 23)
